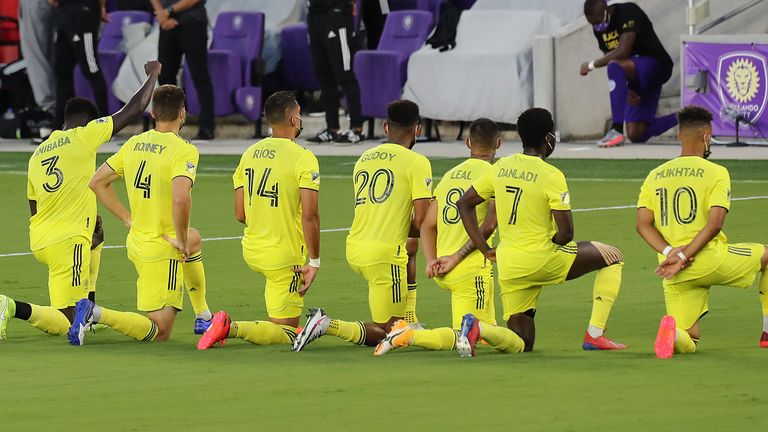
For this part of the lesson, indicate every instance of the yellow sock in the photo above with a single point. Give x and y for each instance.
(130, 324)
(607, 284)
(502, 338)
(439, 339)
(93, 275)
(684, 343)
(764, 291)
(194, 280)
(349, 331)
(49, 320)
(262, 332)
(410, 304)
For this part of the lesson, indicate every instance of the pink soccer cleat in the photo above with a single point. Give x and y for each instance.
(601, 343)
(217, 332)
(764, 340)
(665, 338)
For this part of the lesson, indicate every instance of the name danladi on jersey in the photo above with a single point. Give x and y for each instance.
(520, 175)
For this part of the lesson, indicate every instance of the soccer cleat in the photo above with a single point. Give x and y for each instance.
(399, 336)
(202, 325)
(468, 336)
(324, 136)
(217, 331)
(349, 136)
(613, 138)
(316, 326)
(7, 311)
(665, 339)
(763, 338)
(82, 323)
(600, 343)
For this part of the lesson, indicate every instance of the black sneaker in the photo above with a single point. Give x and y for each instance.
(325, 136)
(349, 136)
(205, 135)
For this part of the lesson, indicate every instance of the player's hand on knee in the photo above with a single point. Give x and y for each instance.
(181, 247)
(491, 254)
(446, 264)
(309, 273)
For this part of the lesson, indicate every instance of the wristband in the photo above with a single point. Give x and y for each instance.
(666, 251)
(314, 262)
(681, 255)
(169, 9)
(591, 65)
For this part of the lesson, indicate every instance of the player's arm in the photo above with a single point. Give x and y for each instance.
(621, 52)
(564, 222)
(140, 100)
(32, 207)
(420, 209)
(647, 230)
(488, 227)
(310, 223)
(181, 209)
(101, 184)
(428, 234)
(240, 204)
(466, 205)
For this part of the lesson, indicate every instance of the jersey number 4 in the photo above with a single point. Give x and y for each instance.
(143, 183)
(664, 205)
(52, 170)
(262, 191)
(365, 180)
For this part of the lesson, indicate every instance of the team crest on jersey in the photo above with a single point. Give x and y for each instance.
(315, 177)
(428, 182)
(565, 198)
(191, 167)
(101, 120)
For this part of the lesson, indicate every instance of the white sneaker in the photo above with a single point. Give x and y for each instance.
(316, 326)
(5, 314)
(612, 138)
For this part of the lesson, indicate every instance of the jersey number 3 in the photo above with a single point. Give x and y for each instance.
(52, 170)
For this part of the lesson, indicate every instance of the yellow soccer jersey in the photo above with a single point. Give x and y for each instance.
(149, 162)
(272, 172)
(58, 175)
(387, 178)
(526, 190)
(451, 235)
(680, 193)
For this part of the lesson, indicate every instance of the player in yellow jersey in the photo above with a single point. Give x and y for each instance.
(680, 214)
(277, 185)
(460, 269)
(160, 168)
(393, 186)
(536, 249)
(63, 226)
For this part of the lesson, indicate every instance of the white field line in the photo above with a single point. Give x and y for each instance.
(333, 230)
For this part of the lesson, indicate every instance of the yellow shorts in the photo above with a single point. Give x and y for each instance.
(160, 284)
(522, 294)
(387, 290)
(68, 264)
(281, 292)
(688, 301)
(471, 295)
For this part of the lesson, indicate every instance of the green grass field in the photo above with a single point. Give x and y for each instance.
(113, 383)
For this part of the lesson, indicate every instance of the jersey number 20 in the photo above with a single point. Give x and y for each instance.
(372, 182)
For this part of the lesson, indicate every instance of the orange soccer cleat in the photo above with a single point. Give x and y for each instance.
(601, 343)
(665, 338)
(764, 340)
(217, 332)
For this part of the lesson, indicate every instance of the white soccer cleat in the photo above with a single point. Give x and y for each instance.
(316, 326)
(5, 314)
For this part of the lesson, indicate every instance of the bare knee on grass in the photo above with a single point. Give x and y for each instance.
(695, 330)
(164, 319)
(525, 327)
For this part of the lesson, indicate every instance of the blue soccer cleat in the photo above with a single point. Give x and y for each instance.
(83, 321)
(468, 336)
(201, 325)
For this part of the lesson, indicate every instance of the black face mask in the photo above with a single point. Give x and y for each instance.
(551, 144)
(707, 151)
(299, 129)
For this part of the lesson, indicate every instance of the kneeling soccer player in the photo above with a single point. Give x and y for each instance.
(536, 248)
(680, 214)
(64, 231)
(277, 187)
(160, 168)
(460, 268)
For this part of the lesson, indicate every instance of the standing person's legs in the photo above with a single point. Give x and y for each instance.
(193, 38)
(374, 16)
(64, 65)
(319, 33)
(342, 52)
(36, 27)
(645, 89)
(169, 55)
(84, 41)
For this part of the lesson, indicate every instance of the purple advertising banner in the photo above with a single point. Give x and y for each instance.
(731, 82)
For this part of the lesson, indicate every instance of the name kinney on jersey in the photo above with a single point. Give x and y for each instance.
(52, 145)
(679, 172)
(520, 175)
(148, 147)
(377, 156)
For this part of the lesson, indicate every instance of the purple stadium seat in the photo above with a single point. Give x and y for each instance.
(110, 55)
(233, 60)
(381, 73)
(297, 67)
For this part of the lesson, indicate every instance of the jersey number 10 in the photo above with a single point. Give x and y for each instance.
(664, 205)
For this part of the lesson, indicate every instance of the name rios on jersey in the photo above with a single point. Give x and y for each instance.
(52, 145)
(520, 175)
(679, 172)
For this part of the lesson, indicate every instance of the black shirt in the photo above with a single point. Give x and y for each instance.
(628, 17)
(195, 13)
(322, 6)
